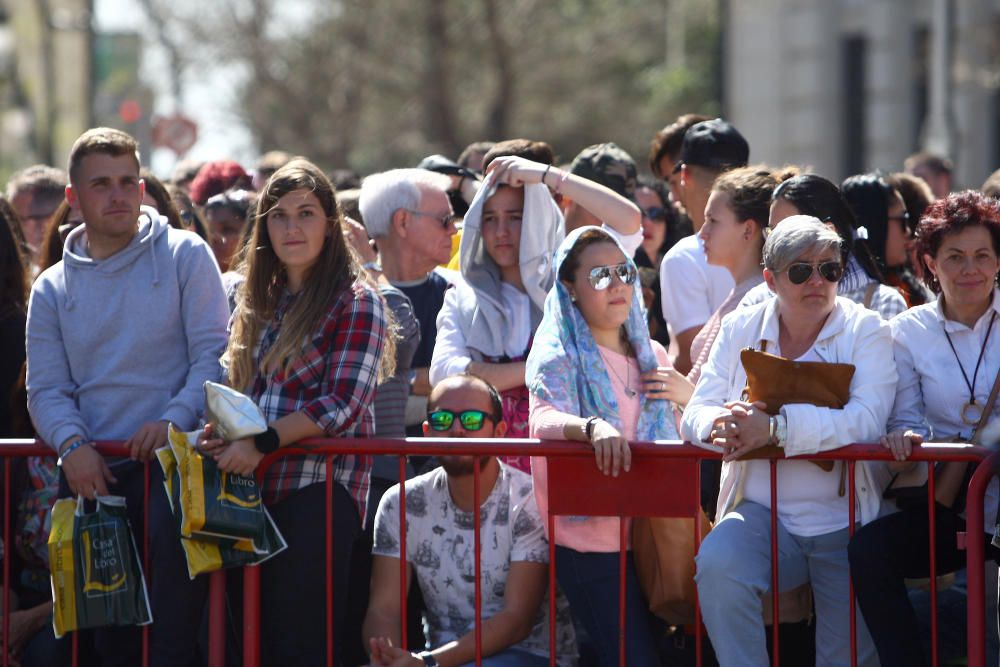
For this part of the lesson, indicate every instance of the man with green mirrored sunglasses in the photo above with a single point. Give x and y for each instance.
(440, 541)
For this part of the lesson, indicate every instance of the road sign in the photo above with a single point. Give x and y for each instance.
(176, 132)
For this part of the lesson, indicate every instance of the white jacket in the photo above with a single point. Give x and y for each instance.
(851, 335)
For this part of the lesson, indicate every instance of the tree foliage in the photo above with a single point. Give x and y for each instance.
(370, 84)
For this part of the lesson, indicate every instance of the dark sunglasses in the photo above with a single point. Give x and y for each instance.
(800, 272)
(443, 220)
(471, 420)
(600, 276)
(655, 213)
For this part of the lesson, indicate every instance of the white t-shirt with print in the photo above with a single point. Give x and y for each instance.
(440, 547)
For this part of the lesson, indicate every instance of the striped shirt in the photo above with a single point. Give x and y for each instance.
(333, 383)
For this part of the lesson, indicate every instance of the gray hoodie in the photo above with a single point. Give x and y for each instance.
(116, 343)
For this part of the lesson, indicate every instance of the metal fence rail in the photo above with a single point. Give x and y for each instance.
(663, 481)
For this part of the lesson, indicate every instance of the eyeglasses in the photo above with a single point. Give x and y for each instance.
(443, 220)
(600, 276)
(471, 420)
(655, 213)
(904, 218)
(800, 272)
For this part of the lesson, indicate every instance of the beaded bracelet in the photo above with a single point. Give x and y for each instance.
(72, 448)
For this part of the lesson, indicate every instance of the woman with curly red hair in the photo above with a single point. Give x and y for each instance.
(215, 178)
(948, 357)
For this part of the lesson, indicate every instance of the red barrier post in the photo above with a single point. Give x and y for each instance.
(403, 566)
(217, 619)
(852, 498)
(932, 560)
(975, 559)
(622, 550)
(8, 551)
(775, 632)
(330, 618)
(476, 545)
(697, 547)
(251, 616)
(552, 590)
(145, 553)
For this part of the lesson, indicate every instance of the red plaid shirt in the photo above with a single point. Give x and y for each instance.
(333, 382)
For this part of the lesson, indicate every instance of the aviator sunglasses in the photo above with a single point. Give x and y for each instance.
(600, 276)
(800, 272)
(471, 420)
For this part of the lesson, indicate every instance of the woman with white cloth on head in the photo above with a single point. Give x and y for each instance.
(806, 321)
(509, 238)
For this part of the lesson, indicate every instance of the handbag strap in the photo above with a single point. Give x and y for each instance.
(869, 294)
(987, 409)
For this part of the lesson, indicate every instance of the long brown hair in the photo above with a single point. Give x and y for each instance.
(335, 270)
(14, 275)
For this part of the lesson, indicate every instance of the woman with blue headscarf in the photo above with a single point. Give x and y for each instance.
(595, 376)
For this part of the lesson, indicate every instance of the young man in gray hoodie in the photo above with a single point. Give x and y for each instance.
(121, 336)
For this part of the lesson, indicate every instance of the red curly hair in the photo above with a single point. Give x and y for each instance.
(217, 177)
(951, 215)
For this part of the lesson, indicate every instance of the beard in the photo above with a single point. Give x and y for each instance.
(457, 466)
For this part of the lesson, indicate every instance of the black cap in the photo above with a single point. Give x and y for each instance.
(443, 165)
(715, 144)
(609, 165)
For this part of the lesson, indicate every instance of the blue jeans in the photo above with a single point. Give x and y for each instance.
(512, 657)
(590, 583)
(734, 572)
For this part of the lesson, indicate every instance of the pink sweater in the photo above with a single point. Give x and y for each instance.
(599, 534)
(702, 343)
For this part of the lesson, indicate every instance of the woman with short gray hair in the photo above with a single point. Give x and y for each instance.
(806, 322)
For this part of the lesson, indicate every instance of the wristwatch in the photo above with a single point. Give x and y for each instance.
(778, 427)
(429, 660)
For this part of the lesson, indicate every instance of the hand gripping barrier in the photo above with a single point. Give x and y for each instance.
(664, 481)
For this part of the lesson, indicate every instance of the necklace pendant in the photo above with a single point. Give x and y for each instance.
(972, 412)
(630, 392)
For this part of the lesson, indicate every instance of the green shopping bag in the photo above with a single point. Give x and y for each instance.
(208, 555)
(214, 504)
(97, 577)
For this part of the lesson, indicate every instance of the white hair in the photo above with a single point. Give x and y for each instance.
(385, 193)
(795, 236)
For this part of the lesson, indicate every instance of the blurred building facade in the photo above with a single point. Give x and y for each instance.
(45, 79)
(58, 77)
(851, 85)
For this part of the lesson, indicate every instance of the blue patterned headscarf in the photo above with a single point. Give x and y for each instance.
(565, 367)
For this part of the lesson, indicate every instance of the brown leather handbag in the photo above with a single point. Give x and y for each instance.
(663, 550)
(778, 381)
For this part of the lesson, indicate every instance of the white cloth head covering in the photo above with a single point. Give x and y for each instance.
(483, 314)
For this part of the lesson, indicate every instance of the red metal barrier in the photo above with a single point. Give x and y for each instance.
(642, 492)
(612, 499)
(21, 448)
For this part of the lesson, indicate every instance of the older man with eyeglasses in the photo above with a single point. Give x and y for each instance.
(407, 214)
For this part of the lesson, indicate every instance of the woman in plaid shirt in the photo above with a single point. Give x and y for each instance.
(308, 343)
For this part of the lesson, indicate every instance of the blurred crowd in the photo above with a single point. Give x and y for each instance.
(506, 293)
